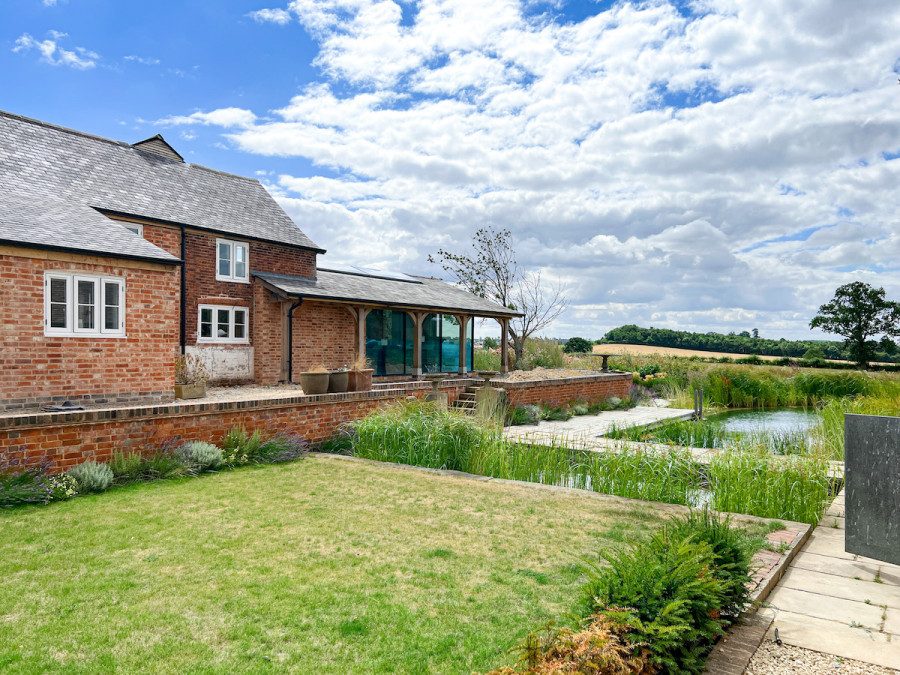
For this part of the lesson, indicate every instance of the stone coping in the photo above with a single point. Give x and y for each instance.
(184, 407)
(385, 390)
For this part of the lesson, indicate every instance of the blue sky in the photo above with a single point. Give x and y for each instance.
(704, 165)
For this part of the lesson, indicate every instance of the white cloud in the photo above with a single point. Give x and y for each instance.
(52, 53)
(224, 117)
(279, 16)
(142, 60)
(682, 170)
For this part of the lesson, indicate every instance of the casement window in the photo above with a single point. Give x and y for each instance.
(232, 260)
(220, 323)
(79, 305)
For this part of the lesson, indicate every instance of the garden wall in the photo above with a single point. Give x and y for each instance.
(62, 440)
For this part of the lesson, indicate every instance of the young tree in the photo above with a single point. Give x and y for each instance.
(492, 272)
(860, 313)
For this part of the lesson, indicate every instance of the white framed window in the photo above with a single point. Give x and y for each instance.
(221, 323)
(81, 305)
(137, 228)
(232, 262)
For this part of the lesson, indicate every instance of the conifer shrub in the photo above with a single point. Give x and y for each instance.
(91, 476)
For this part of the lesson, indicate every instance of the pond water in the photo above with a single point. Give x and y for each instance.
(777, 420)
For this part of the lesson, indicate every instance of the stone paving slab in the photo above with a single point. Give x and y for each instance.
(825, 607)
(839, 603)
(831, 637)
(835, 586)
(852, 569)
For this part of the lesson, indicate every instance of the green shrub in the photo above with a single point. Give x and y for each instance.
(240, 447)
(577, 345)
(282, 447)
(199, 456)
(91, 476)
(127, 468)
(35, 486)
(580, 410)
(520, 415)
(732, 551)
(674, 595)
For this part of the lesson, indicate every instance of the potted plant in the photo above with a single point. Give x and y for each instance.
(191, 377)
(315, 380)
(338, 380)
(360, 375)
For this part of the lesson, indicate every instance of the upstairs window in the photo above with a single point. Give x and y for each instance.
(137, 228)
(82, 305)
(232, 260)
(221, 323)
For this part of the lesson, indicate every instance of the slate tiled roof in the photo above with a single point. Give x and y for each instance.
(39, 161)
(421, 292)
(51, 223)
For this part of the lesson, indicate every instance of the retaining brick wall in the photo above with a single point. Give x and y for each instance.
(62, 440)
(37, 369)
(555, 393)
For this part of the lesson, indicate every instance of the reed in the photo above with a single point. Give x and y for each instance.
(794, 488)
(420, 434)
(828, 435)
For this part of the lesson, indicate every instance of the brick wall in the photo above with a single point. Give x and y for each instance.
(323, 334)
(65, 439)
(556, 393)
(37, 369)
(200, 274)
(266, 319)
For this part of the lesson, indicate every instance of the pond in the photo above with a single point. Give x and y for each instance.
(778, 420)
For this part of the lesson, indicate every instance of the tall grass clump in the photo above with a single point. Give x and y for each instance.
(792, 488)
(542, 353)
(421, 434)
(712, 434)
(828, 435)
(484, 359)
(640, 474)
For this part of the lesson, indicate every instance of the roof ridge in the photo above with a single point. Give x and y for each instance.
(224, 173)
(57, 127)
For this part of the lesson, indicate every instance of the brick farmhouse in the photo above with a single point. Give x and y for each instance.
(117, 257)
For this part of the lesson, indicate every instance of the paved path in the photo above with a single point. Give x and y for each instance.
(586, 431)
(838, 603)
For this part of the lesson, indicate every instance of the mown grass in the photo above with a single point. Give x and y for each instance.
(422, 435)
(320, 566)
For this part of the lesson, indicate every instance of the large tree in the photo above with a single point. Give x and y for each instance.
(490, 270)
(860, 313)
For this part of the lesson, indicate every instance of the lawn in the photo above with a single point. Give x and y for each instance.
(321, 566)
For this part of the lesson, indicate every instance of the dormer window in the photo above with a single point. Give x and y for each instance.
(137, 228)
(232, 261)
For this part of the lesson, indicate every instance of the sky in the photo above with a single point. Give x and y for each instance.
(705, 165)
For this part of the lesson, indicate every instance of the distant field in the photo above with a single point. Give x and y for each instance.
(642, 350)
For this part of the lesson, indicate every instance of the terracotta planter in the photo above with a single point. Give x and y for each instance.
(337, 381)
(314, 383)
(360, 380)
(196, 390)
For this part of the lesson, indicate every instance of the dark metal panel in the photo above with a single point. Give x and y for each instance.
(872, 497)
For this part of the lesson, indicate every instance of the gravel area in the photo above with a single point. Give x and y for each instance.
(544, 374)
(771, 659)
(239, 393)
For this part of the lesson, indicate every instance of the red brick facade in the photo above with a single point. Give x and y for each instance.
(37, 369)
(323, 335)
(62, 440)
